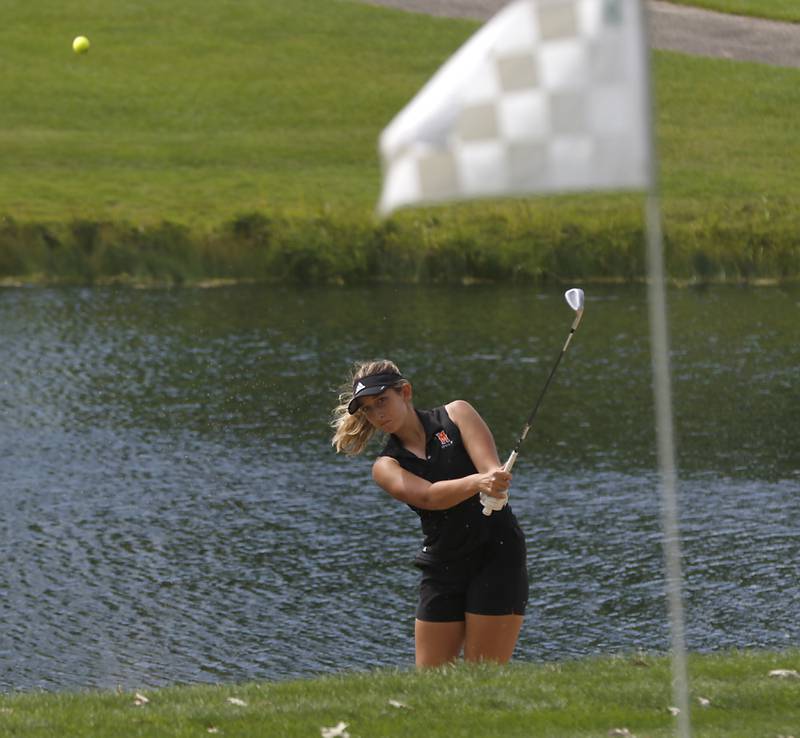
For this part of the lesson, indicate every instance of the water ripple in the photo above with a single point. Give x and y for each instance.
(171, 510)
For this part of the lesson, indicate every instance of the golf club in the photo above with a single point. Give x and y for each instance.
(575, 299)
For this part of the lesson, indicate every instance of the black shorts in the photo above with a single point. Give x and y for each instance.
(491, 581)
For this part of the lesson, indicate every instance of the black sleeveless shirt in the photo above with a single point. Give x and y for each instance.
(460, 530)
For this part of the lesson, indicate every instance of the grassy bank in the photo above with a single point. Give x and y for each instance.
(242, 144)
(733, 695)
(587, 241)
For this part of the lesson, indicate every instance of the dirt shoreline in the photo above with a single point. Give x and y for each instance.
(672, 27)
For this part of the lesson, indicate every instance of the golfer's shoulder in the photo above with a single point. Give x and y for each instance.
(460, 410)
(383, 462)
(384, 468)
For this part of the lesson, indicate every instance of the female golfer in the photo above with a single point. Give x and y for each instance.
(442, 463)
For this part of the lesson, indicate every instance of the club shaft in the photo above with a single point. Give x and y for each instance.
(529, 423)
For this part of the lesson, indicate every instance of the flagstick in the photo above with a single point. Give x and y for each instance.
(666, 458)
(657, 308)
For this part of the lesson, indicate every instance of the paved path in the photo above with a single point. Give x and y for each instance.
(673, 27)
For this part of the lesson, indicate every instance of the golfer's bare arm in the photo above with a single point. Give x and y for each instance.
(475, 434)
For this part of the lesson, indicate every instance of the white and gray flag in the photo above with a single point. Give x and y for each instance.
(547, 96)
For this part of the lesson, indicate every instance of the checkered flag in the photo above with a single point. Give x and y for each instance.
(548, 96)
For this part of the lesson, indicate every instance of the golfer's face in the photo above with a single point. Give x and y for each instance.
(383, 410)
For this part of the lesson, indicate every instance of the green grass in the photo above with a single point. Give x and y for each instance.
(196, 115)
(724, 129)
(784, 10)
(193, 113)
(571, 699)
(210, 116)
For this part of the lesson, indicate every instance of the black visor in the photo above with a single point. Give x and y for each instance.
(371, 385)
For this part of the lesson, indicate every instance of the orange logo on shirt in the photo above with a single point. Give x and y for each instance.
(444, 439)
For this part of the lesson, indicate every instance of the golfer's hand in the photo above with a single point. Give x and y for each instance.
(494, 483)
(493, 487)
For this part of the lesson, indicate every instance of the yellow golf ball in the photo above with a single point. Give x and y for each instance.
(80, 45)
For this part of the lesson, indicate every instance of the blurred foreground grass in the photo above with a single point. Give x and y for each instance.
(733, 696)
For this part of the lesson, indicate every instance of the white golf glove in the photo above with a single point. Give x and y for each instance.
(490, 504)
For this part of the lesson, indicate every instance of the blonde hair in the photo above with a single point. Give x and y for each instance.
(351, 433)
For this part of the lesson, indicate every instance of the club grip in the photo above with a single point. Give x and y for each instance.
(507, 467)
(512, 459)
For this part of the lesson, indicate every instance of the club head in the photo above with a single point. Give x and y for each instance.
(574, 298)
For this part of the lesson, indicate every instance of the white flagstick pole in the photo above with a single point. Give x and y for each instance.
(659, 335)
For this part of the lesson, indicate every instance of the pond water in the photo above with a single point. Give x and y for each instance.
(171, 510)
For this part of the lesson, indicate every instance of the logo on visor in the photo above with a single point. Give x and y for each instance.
(444, 439)
(359, 387)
